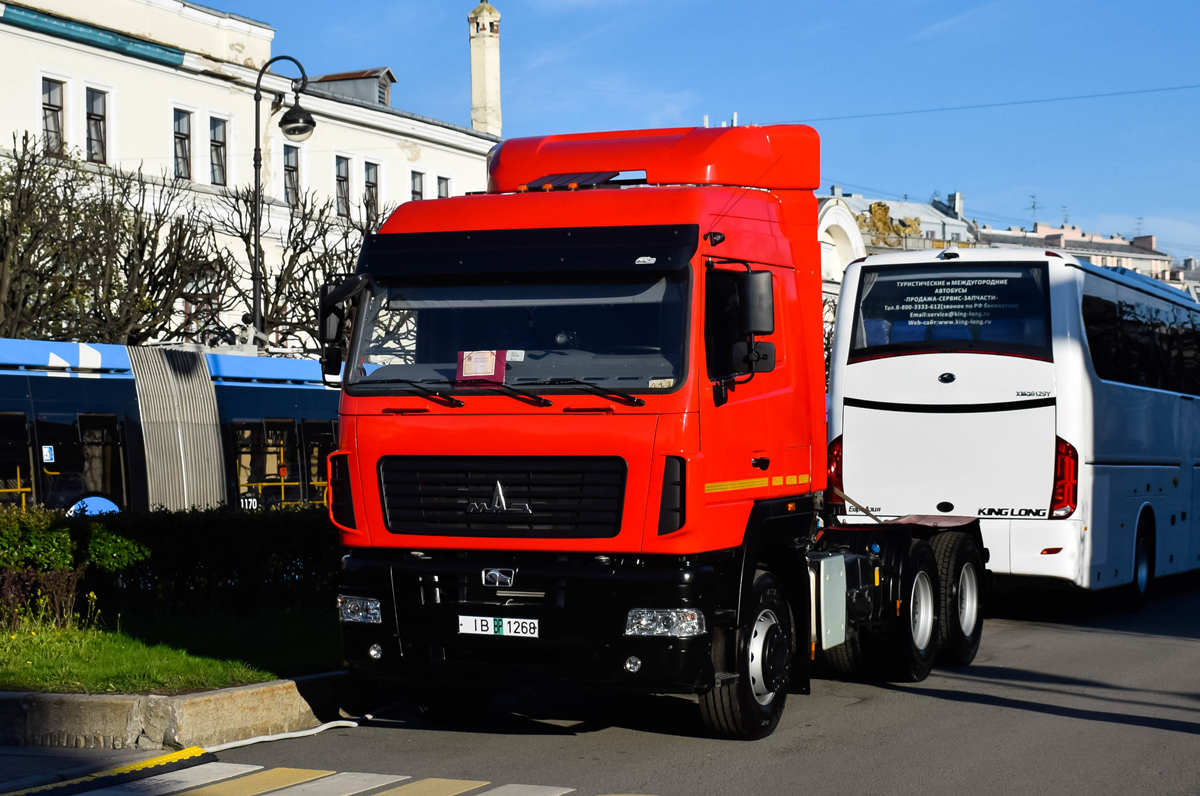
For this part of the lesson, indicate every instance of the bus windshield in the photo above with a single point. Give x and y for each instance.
(993, 308)
(625, 333)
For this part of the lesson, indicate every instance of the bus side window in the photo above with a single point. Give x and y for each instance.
(16, 462)
(1102, 322)
(1188, 335)
(320, 439)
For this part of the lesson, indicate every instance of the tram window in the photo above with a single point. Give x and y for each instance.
(268, 466)
(16, 462)
(80, 455)
(320, 440)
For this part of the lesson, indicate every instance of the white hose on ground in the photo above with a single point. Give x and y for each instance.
(329, 725)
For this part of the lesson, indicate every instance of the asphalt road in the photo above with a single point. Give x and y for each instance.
(1068, 695)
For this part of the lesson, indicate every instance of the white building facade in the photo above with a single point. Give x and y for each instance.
(167, 86)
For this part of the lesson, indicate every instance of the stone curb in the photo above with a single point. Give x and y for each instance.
(135, 721)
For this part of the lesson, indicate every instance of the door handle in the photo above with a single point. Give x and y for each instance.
(761, 463)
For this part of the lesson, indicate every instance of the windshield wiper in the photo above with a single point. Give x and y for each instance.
(615, 397)
(425, 392)
(524, 397)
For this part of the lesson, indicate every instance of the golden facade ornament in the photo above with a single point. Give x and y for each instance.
(885, 232)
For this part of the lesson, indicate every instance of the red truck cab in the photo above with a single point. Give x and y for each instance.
(583, 423)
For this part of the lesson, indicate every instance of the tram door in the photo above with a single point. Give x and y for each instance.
(267, 456)
(320, 440)
(16, 461)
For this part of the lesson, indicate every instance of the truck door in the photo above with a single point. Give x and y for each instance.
(735, 422)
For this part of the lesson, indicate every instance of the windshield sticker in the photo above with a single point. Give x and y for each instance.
(646, 261)
(661, 384)
(481, 365)
(515, 355)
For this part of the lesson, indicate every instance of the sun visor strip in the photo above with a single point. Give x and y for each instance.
(656, 248)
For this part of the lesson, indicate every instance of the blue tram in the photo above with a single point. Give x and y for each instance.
(108, 427)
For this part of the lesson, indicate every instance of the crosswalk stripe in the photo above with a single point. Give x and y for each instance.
(434, 787)
(345, 784)
(263, 781)
(160, 784)
(527, 790)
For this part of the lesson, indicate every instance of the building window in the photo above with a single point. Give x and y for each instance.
(52, 116)
(418, 185)
(342, 168)
(97, 126)
(443, 187)
(291, 175)
(183, 145)
(216, 150)
(1104, 261)
(371, 190)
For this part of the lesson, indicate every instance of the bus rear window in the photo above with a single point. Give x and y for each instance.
(997, 308)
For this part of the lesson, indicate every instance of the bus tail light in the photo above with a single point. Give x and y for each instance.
(1066, 480)
(835, 471)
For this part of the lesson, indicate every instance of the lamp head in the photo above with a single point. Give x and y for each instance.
(297, 124)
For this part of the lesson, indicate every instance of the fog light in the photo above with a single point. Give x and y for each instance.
(633, 664)
(678, 622)
(359, 609)
(375, 651)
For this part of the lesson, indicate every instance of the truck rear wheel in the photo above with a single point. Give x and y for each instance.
(915, 631)
(960, 572)
(750, 708)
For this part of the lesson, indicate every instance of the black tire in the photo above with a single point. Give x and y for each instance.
(854, 658)
(960, 573)
(1137, 592)
(750, 708)
(914, 633)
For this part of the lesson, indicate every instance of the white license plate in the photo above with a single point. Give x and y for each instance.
(498, 626)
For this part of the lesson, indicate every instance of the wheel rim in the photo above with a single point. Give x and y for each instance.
(1142, 565)
(768, 657)
(921, 605)
(968, 599)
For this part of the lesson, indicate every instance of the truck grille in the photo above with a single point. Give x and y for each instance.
(569, 497)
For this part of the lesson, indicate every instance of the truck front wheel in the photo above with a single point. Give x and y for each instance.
(750, 708)
(960, 570)
(915, 632)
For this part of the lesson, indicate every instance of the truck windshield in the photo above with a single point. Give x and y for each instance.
(623, 334)
(998, 308)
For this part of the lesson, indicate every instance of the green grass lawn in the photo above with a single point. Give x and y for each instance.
(71, 660)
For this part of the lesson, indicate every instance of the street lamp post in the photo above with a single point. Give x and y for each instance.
(297, 125)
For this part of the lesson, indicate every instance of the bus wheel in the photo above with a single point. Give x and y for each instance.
(915, 632)
(1143, 564)
(960, 572)
(750, 708)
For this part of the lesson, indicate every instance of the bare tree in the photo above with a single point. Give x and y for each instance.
(315, 246)
(43, 216)
(153, 270)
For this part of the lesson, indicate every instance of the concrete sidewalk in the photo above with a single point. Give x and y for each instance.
(30, 766)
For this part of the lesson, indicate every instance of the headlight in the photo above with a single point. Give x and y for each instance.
(678, 622)
(359, 609)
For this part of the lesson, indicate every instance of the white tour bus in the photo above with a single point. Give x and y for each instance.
(1048, 397)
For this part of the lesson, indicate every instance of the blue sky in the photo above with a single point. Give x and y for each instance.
(575, 65)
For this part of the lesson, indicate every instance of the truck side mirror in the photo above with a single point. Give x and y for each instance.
(757, 302)
(331, 360)
(329, 317)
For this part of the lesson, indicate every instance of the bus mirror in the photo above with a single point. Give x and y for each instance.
(331, 360)
(757, 300)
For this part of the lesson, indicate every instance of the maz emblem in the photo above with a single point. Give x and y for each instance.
(498, 505)
(498, 577)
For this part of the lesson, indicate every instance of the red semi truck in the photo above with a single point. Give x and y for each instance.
(583, 439)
